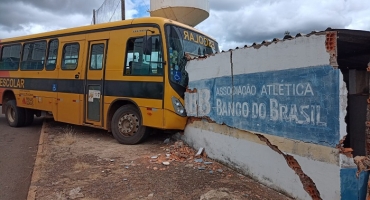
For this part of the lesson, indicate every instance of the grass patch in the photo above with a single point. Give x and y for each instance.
(68, 136)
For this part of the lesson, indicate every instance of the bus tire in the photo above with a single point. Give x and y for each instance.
(127, 125)
(14, 115)
(29, 117)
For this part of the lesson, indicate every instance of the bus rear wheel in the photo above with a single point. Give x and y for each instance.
(14, 115)
(127, 125)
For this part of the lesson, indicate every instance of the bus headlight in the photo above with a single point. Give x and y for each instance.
(179, 108)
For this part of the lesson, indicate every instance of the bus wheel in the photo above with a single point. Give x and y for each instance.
(29, 117)
(14, 115)
(127, 125)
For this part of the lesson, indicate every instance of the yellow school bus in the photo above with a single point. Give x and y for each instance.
(126, 77)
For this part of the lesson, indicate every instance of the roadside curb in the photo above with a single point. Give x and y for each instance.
(36, 168)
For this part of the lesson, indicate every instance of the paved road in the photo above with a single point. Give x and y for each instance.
(18, 148)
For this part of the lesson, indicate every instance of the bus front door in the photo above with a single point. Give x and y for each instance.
(69, 84)
(95, 83)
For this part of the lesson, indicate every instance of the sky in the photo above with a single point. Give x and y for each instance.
(233, 23)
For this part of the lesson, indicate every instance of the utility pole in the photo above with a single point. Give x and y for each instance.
(94, 20)
(123, 13)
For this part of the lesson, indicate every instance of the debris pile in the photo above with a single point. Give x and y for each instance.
(182, 153)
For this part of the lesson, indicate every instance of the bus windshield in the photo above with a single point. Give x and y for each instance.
(181, 41)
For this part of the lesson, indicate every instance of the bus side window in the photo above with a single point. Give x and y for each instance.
(140, 64)
(155, 59)
(33, 56)
(129, 57)
(10, 57)
(97, 57)
(52, 55)
(70, 56)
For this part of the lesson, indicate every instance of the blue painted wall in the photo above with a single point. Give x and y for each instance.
(353, 188)
(300, 104)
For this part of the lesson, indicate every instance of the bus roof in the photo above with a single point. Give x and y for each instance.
(144, 20)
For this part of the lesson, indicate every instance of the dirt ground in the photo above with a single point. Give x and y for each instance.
(85, 163)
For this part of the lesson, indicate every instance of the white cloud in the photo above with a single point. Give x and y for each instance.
(255, 21)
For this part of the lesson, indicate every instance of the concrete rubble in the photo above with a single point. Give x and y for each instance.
(180, 152)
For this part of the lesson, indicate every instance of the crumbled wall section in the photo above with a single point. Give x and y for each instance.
(363, 164)
(345, 151)
(286, 89)
(331, 47)
(308, 184)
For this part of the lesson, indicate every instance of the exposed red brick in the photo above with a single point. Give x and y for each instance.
(363, 164)
(197, 119)
(308, 185)
(331, 41)
(191, 91)
(345, 151)
(193, 119)
(331, 47)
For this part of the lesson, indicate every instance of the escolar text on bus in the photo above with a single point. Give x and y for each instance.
(12, 82)
(199, 39)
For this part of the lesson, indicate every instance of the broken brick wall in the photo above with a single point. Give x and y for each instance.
(276, 112)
